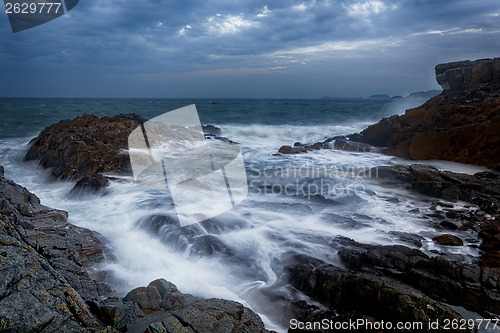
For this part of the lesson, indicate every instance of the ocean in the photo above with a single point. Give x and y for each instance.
(241, 254)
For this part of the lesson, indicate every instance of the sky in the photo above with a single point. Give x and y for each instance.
(245, 49)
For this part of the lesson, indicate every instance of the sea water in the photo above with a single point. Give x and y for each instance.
(296, 203)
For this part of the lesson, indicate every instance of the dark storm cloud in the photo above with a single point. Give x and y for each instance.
(190, 48)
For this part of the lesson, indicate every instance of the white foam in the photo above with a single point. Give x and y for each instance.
(259, 232)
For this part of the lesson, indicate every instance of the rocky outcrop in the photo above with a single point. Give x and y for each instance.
(86, 145)
(394, 283)
(47, 267)
(460, 125)
(457, 78)
(348, 143)
(160, 307)
(50, 281)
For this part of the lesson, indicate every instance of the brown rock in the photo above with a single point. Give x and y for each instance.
(448, 239)
(148, 298)
(92, 184)
(291, 150)
(490, 236)
(86, 145)
(460, 125)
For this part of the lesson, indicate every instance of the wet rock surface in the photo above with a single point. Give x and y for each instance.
(464, 119)
(481, 189)
(393, 283)
(51, 282)
(86, 145)
(348, 143)
(160, 307)
(47, 267)
(90, 184)
(461, 124)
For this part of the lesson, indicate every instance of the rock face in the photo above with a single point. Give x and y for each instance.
(160, 307)
(46, 267)
(481, 189)
(49, 282)
(458, 77)
(84, 146)
(393, 283)
(460, 125)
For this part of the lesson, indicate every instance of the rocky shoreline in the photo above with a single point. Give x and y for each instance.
(52, 270)
(460, 124)
(52, 281)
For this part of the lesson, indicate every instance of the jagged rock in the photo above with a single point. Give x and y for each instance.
(211, 130)
(46, 267)
(458, 77)
(355, 293)
(482, 189)
(160, 307)
(464, 119)
(86, 145)
(447, 239)
(491, 235)
(90, 184)
(343, 143)
(292, 150)
(348, 143)
(490, 242)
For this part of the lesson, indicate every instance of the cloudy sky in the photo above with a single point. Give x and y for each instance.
(247, 48)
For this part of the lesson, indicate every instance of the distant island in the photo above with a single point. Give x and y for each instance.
(382, 97)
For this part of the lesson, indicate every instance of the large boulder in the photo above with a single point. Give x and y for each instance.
(458, 77)
(161, 307)
(86, 145)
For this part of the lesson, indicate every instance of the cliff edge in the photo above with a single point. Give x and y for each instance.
(461, 124)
